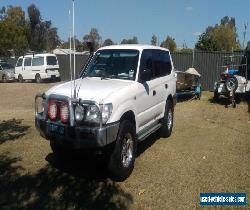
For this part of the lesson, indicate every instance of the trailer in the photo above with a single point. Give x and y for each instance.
(188, 83)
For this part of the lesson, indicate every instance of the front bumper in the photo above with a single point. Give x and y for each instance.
(78, 137)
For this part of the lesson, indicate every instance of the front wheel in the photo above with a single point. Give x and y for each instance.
(58, 150)
(167, 120)
(121, 161)
(4, 79)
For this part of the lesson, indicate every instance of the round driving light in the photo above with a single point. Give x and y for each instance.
(79, 113)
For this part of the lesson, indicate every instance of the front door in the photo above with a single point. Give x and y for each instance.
(27, 69)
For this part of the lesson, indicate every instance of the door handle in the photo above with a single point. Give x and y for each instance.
(166, 86)
(154, 92)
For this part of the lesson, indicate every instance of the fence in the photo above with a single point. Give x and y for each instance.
(208, 64)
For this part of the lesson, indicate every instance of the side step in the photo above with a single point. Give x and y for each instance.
(142, 135)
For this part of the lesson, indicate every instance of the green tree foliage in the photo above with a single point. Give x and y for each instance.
(108, 42)
(41, 34)
(13, 31)
(169, 43)
(19, 35)
(220, 37)
(154, 40)
(94, 37)
(133, 40)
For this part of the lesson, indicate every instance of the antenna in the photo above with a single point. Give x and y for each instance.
(74, 47)
(70, 62)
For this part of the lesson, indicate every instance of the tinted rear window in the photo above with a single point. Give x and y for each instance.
(51, 60)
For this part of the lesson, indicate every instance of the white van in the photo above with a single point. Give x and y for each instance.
(37, 67)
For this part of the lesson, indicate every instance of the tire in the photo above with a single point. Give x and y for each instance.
(20, 78)
(216, 95)
(167, 120)
(58, 150)
(38, 78)
(4, 79)
(231, 84)
(121, 161)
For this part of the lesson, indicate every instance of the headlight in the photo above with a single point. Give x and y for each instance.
(106, 110)
(93, 114)
(79, 113)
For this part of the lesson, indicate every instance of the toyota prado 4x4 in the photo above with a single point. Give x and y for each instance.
(125, 93)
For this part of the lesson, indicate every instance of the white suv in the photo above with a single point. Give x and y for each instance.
(37, 67)
(125, 93)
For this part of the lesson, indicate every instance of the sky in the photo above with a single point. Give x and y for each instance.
(183, 20)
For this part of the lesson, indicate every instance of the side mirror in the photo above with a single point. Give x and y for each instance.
(146, 75)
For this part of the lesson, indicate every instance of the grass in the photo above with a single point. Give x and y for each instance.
(208, 151)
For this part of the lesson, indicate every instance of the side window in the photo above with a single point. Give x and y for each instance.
(27, 62)
(161, 63)
(146, 61)
(166, 62)
(19, 62)
(38, 61)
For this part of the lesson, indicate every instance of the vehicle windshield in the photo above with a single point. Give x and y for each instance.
(6, 66)
(115, 63)
(51, 60)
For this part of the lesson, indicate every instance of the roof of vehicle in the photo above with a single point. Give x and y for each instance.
(39, 54)
(133, 47)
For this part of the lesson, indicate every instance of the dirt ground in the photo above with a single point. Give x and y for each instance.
(209, 151)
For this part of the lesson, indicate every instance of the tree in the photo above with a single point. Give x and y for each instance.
(154, 40)
(107, 42)
(13, 31)
(41, 35)
(134, 40)
(220, 37)
(94, 37)
(79, 45)
(169, 43)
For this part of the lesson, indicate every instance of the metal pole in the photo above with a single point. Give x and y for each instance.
(74, 47)
(193, 58)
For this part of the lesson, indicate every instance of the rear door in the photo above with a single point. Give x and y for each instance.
(163, 79)
(38, 66)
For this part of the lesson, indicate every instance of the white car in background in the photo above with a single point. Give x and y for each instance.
(37, 67)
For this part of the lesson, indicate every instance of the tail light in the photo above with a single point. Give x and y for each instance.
(52, 110)
(64, 112)
(224, 76)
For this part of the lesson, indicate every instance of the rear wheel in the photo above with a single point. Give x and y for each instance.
(20, 78)
(4, 79)
(167, 120)
(38, 78)
(216, 95)
(121, 161)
